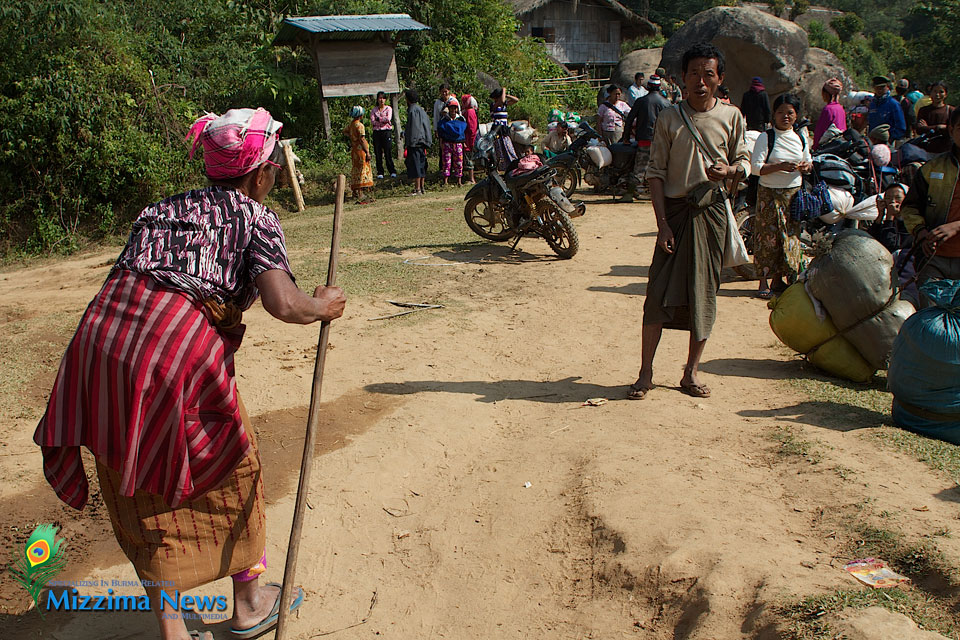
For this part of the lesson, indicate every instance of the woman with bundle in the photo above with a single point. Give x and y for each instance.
(147, 383)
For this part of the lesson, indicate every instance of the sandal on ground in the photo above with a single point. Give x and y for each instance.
(272, 618)
(695, 390)
(764, 294)
(638, 392)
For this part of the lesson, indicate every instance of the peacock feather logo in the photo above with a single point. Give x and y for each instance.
(41, 561)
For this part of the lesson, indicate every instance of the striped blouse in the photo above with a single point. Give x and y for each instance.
(208, 243)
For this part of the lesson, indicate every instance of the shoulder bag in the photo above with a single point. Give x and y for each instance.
(734, 249)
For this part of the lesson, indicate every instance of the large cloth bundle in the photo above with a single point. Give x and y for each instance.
(924, 372)
(857, 285)
(794, 320)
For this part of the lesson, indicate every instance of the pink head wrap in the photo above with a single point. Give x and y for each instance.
(833, 87)
(235, 143)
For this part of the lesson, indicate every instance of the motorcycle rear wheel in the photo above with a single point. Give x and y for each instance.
(487, 220)
(558, 230)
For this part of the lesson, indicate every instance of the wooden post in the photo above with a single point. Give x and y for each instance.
(398, 139)
(313, 424)
(323, 101)
(292, 174)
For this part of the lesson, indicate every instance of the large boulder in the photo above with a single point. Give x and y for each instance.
(819, 65)
(753, 42)
(645, 60)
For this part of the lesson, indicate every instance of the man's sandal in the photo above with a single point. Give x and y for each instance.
(695, 390)
(638, 392)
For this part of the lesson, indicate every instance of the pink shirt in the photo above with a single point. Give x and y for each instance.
(832, 113)
(382, 119)
(610, 120)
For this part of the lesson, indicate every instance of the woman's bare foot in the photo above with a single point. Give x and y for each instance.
(252, 603)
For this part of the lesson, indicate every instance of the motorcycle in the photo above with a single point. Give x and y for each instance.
(607, 168)
(570, 163)
(504, 207)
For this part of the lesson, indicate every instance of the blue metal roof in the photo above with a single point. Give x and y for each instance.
(345, 27)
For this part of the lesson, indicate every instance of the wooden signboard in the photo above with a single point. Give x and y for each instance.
(355, 68)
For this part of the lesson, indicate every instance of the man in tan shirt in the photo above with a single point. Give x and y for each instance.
(685, 271)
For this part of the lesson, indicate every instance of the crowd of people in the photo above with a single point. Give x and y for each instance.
(148, 382)
(454, 125)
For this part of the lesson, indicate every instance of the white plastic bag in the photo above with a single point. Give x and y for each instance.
(734, 249)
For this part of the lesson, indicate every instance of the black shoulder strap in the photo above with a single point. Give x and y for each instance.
(610, 106)
(771, 138)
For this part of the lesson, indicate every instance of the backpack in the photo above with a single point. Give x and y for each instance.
(837, 172)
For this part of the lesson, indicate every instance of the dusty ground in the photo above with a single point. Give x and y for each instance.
(666, 518)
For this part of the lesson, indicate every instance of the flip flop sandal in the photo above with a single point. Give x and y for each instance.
(638, 392)
(764, 294)
(272, 618)
(695, 390)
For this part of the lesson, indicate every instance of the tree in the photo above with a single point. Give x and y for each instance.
(777, 7)
(847, 26)
(799, 8)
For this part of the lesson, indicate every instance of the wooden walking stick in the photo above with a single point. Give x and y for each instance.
(313, 418)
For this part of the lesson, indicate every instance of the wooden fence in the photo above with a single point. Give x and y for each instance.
(559, 86)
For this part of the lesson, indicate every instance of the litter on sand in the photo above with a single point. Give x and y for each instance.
(875, 573)
(527, 485)
(594, 402)
(412, 307)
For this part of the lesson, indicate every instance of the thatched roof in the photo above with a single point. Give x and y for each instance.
(523, 7)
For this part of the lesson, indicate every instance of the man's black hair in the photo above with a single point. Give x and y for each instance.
(445, 86)
(411, 96)
(938, 83)
(638, 74)
(892, 186)
(703, 50)
(787, 98)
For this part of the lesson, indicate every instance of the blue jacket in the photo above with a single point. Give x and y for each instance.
(886, 110)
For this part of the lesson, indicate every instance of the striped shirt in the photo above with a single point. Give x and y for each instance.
(208, 243)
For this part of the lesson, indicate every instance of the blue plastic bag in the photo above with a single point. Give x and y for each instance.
(924, 374)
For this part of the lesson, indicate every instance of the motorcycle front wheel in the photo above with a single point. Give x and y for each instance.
(568, 179)
(487, 220)
(558, 230)
(745, 225)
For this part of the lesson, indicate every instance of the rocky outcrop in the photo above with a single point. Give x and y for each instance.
(645, 60)
(753, 42)
(756, 43)
(819, 66)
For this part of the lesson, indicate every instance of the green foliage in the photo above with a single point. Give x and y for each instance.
(646, 42)
(820, 36)
(936, 51)
(847, 26)
(799, 8)
(96, 96)
(777, 7)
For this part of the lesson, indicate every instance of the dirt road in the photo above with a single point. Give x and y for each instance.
(461, 481)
